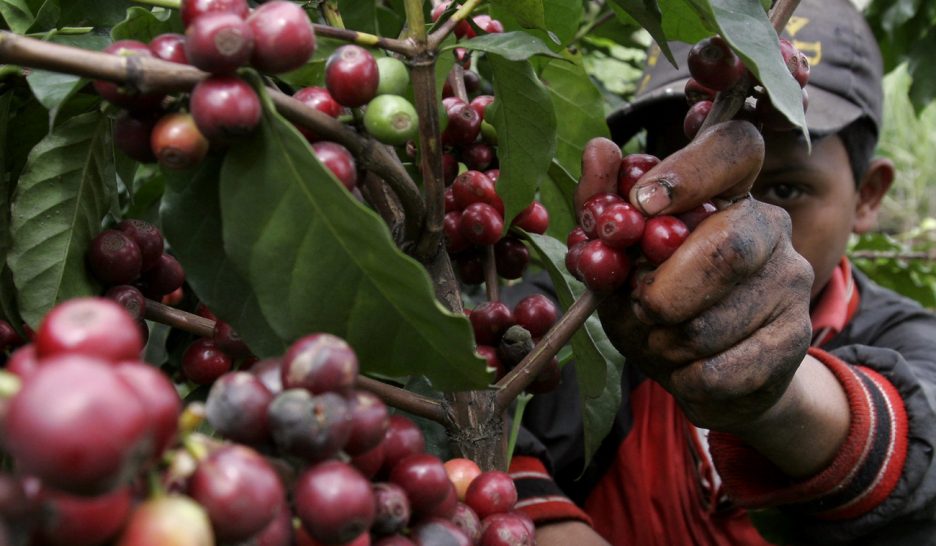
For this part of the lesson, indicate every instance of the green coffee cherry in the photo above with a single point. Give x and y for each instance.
(394, 77)
(391, 119)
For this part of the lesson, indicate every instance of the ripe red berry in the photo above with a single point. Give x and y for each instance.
(163, 278)
(603, 268)
(334, 502)
(467, 521)
(455, 242)
(424, 479)
(352, 76)
(795, 61)
(633, 166)
(471, 266)
(713, 64)
(692, 218)
(177, 143)
(534, 218)
(695, 118)
(225, 108)
(449, 168)
(219, 43)
(128, 297)
(478, 156)
(313, 428)
(489, 354)
(393, 509)
(511, 257)
(662, 237)
(696, 92)
(475, 187)
(114, 258)
(485, 23)
(237, 406)
(339, 161)
(320, 363)
(82, 521)
(490, 320)
(240, 491)
(121, 95)
(506, 530)
(491, 492)
(593, 208)
(94, 327)
(572, 259)
(192, 9)
(169, 47)
(320, 99)
(536, 313)
(620, 226)
(576, 236)
(160, 400)
(283, 37)
(203, 362)
(370, 462)
(461, 28)
(132, 136)
(9, 339)
(147, 237)
(369, 422)
(450, 205)
(228, 340)
(77, 426)
(481, 224)
(403, 438)
(22, 361)
(548, 379)
(481, 103)
(464, 125)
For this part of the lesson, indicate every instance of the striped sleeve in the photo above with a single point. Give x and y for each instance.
(861, 476)
(539, 496)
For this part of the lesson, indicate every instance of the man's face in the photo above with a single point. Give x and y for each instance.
(818, 191)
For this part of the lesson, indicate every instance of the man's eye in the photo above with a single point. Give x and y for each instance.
(781, 192)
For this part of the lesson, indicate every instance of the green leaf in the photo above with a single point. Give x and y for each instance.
(648, 14)
(191, 221)
(443, 66)
(47, 16)
(526, 132)
(579, 109)
(143, 25)
(360, 15)
(681, 21)
(563, 18)
(17, 14)
(598, 365)
(93, 13)
(389, 22)
(313, 72)
(513, 46)
(529, 13)
(53, 90)
(920, 66)
(745, 26)
(318, 260)
(556, 194)
(63, 194)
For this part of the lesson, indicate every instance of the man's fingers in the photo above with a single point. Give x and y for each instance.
(601, 162)
(721, 162)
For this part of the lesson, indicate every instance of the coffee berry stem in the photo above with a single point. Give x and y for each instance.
(187, 322)
(524, 373)
(436, 38)
(729, 102)
(170, 4)
(364, 39)
(403, 399)
(491, 280)
(456, 79)
(331, 13)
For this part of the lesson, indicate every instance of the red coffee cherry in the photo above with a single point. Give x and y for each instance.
(337, 159)
(481, 224)
(603, 268)
(352, 76)
(283, 37)
(620, 226)
(572, 259)
(334, 502)
(692, 218)
(192, 9)
(311, 428)
(696, 92)
(548, 379)
(433, 532)
(424, 479)
(369, 462)
(455, 242)
(506, 529)
(114, 258)
(128, 297)
(82, 521)
(94, 327)
(403, 438)
(320, 363)
(203, 362)
(485, 23)
(393, 509)
(369, 422)
(576, 236)
(491, 492)
(160, 400)
(450, 205)
(228, 340)
(467, 521)
(449, 169)
(481, 103)
(320, 99)
(695, 118)
(534, 218)
(476, 187)
(461, 28)
(237, 406)
(471, 266)
(464, 125)
(219, 43)
(490, 320)
(177, 143)
(593, 208)
(124, 96)
(796, 62)
(163, 278)
(633, 166)
(478, 156)
(225, 108)
(511, 257)
(713, 64)
(662, 237)
(147, 237)
(489, 354)
(169, 47)
(132, 136)
(536, 313)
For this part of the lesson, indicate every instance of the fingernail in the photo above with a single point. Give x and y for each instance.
(653, 198)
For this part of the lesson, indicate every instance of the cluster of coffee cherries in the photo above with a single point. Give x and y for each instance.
(504, 337)
(88, 419)
(365, 476)
(715, 67)
(474, 219)
(130, 260)
(465, 30)
(208, 358)
(613, 235)
(220, 37)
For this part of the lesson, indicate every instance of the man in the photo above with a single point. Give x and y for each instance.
(816, 384)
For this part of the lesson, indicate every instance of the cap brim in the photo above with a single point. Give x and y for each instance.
(826, 113)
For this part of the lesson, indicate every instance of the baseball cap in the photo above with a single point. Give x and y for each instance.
(844, 83)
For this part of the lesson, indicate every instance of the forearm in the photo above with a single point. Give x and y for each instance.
(804, 430)
(568, 532)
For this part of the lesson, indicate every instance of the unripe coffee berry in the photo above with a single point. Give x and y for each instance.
(391, 119)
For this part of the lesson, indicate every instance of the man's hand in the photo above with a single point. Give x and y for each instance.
(724, 323)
